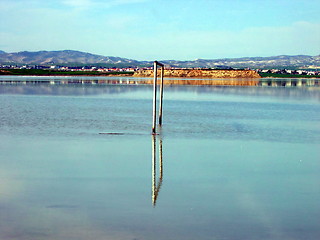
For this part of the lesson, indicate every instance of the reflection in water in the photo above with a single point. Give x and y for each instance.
(256, 174)
(156, 185)
(104, 80)
(18, 88)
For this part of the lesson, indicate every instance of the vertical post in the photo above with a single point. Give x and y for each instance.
(154, 97)
(161, 96)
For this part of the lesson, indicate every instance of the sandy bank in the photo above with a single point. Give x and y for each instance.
(200, 73)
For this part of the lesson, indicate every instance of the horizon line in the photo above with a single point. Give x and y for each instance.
(80, 51)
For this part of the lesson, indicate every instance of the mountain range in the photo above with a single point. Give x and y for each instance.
(77, 58)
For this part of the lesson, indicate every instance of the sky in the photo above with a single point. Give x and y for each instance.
(163, 29)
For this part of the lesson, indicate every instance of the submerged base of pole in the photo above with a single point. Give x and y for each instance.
(153, 132)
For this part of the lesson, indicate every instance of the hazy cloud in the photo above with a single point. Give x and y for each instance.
(143, 29)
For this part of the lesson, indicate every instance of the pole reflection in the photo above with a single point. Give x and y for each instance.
(156, 184)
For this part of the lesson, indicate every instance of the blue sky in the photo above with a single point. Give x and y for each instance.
(163, 29)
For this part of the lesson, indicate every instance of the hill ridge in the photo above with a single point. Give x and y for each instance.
(67, 57)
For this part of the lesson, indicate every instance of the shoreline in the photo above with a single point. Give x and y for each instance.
(87, 80)
(174, 74)
(130, 75)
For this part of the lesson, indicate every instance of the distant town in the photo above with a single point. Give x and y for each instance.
(290, 72)
(68, 68)
(128, 70)
(70, 62)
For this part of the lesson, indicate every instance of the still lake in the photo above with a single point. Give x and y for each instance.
(229, 163)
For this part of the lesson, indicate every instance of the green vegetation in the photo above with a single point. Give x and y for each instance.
(279, 75)
(51, 72)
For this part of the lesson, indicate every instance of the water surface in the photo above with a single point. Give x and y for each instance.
(237, 163)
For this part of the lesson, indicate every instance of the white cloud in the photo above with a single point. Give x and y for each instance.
(139, 36)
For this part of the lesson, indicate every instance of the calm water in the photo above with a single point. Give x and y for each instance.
(230, 163)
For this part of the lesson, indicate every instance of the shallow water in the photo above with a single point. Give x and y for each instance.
(237, 163)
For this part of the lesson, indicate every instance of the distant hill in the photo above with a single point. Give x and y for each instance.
(66, 57)
(77, 58)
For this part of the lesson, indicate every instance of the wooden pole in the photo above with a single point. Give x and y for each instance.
(154, 97)
(161, 96)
